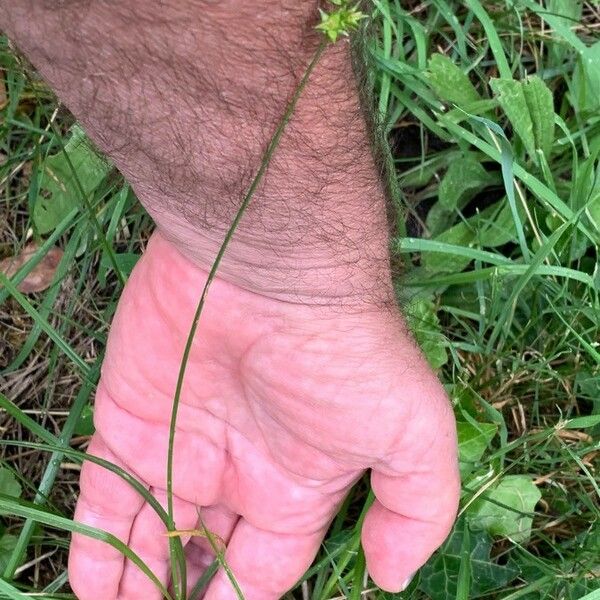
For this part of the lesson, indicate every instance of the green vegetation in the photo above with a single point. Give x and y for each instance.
(492, 114)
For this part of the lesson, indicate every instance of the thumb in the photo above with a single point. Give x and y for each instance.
(417, 493)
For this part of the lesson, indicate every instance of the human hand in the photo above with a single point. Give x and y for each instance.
(283, 408)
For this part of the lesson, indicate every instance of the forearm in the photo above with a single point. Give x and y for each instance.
(184, 97)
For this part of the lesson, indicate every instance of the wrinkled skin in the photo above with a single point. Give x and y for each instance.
(283, 408)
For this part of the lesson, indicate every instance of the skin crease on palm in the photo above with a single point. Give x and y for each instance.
(300, 378)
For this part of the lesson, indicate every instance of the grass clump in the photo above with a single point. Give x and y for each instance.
(491, 113)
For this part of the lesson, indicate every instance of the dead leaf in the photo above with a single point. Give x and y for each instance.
(40, 277)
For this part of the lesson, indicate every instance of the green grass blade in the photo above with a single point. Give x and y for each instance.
(45, 326)
(51, 471)
(20, 508)
(492, 36)
(9, 591)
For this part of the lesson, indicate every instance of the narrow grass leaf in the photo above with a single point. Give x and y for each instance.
(493, 38)
(503, 320)
(44, 325)
(554, 18)
(9, 591)
(27, 510)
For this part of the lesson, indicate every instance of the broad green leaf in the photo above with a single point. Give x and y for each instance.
(566, 14)
(85, 423)
(125, 261)
(520, 495)
(463, 179)
(9, 484)
(473, 439)
(421, 174)
(439, 577)
(492, 227)
(7, 545)
(540, 104)
(583, 422)
(511, 97)
(450, 83)
(423, 321)
(586, 80)
(64, 176)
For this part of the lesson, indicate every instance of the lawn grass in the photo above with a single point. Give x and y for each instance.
(492, 114)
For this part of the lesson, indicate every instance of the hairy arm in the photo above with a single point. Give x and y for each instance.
(184, 97)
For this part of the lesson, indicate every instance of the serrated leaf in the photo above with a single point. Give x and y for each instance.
(60, 177)
(586, 80)
(9, 484)
(423, 321)
(511, 97)
(439, 577)
(520, 495)
(540, 104)
(463, 179)
(473, 439)
(450, 83)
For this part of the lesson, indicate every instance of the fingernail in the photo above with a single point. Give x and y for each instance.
(407, 582)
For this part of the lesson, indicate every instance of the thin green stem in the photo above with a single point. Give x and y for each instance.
(274, 142)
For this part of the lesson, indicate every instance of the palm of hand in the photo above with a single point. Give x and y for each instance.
(283, 408)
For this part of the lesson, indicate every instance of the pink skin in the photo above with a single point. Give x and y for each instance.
(284, 406)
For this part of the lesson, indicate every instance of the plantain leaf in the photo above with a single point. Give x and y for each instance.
(492, 227)
(540, 104)
(511, 97)
(423, 321)
(63, 177)
(450, 83)
(463, 179)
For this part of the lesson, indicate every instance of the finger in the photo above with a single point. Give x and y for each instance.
(265, 564)
(220, 522)
(149, 540)
(417, 498)
(106, 502)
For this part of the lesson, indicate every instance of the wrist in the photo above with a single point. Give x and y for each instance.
(331, 273)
